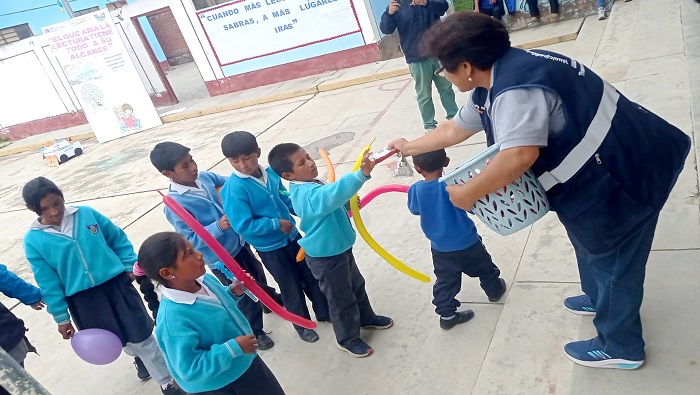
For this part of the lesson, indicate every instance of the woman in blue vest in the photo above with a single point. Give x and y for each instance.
(608, 165)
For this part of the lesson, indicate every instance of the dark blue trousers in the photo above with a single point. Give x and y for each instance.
(251, 310)
(474, 261)
(295, 281)
(344, 286)
(614, 281)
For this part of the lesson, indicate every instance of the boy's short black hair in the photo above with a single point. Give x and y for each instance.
(431, 161)
(238, 143)
(165, 155)
(37, 189)
(278, 158)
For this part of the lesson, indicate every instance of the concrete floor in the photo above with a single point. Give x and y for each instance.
(511, 347)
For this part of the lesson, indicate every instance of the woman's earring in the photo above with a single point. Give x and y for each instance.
(172, 277)
(470, 78)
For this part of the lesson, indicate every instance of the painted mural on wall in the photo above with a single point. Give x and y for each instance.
(101, 73)
(266, 27)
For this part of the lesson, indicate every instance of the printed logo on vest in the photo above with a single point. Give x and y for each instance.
(93, 228)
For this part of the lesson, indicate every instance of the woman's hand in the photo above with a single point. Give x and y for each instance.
(460, 196)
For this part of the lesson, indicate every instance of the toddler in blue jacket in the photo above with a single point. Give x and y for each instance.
(456, 246)
(209, 346)
(196, 191)
(12, 330)
(328, 240)
(259, 209)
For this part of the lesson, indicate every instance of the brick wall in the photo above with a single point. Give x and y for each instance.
(170, 38)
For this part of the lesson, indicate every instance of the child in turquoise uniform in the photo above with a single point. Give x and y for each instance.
(82, 261)
(328, 242)
(196, 192)
(259, 209)
(208, 343)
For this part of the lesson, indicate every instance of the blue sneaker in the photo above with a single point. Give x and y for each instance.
(360, 350)
(580, 305)
(587, 353)
(380, 322)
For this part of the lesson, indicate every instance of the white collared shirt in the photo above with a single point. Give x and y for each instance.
(262, 169)
(183, 297)
(183, 189)
(66, 227)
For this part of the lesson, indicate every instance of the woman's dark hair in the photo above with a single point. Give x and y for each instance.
(37, 189)
(160, 251)
(149, 294)
(466, 37)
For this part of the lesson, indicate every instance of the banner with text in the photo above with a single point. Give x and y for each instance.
(102, 75)
(248, 29)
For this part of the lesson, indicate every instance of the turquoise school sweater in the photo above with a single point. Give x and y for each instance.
(198, 339)
(254, 210)
(63, 266)
(324, 218)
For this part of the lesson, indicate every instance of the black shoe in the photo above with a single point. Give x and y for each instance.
(141, 370)
(494, 299)
(264, 342)
(460, 317)
(266, 310)
(308, 335)
(172, 389)
(324, 319)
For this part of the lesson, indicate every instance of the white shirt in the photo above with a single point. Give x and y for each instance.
(66, 227)
(183, 297)
(183, 189)
(264, 175)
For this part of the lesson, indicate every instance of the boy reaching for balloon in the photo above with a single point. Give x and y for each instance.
(456, 246)
(81, 261)
(328, 242)
(259, 209)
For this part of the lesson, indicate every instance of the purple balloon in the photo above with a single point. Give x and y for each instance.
(96, 346)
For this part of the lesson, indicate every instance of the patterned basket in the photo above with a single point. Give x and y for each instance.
(507, 210)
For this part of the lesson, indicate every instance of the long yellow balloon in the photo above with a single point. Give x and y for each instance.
(355, 209)
(331, 178)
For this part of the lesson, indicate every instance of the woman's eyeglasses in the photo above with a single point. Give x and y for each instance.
(440, 71)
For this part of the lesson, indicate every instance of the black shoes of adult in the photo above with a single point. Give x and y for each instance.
(308, 335)
(498, 297)
(266, 310)
(141, 371)
(264, 342)
(460, 317)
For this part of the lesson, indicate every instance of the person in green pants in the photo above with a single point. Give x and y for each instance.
(412, 20)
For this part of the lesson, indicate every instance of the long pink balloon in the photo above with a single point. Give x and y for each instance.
(379, 191)
(233, 266)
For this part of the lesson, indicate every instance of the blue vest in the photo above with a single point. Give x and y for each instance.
(614, 164)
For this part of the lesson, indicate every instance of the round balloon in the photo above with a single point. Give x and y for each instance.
(96, 346)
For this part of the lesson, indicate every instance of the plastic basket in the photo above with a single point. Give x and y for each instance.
(509, 209)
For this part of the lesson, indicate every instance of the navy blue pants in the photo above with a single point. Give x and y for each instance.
(498, 10)
(614, 281)
(474, 261)
(535, 9)
(295, 280)
(344, 286)
(251, 310)
(257, 380)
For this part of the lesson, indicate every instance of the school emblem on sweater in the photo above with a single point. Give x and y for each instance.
(92, 228)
